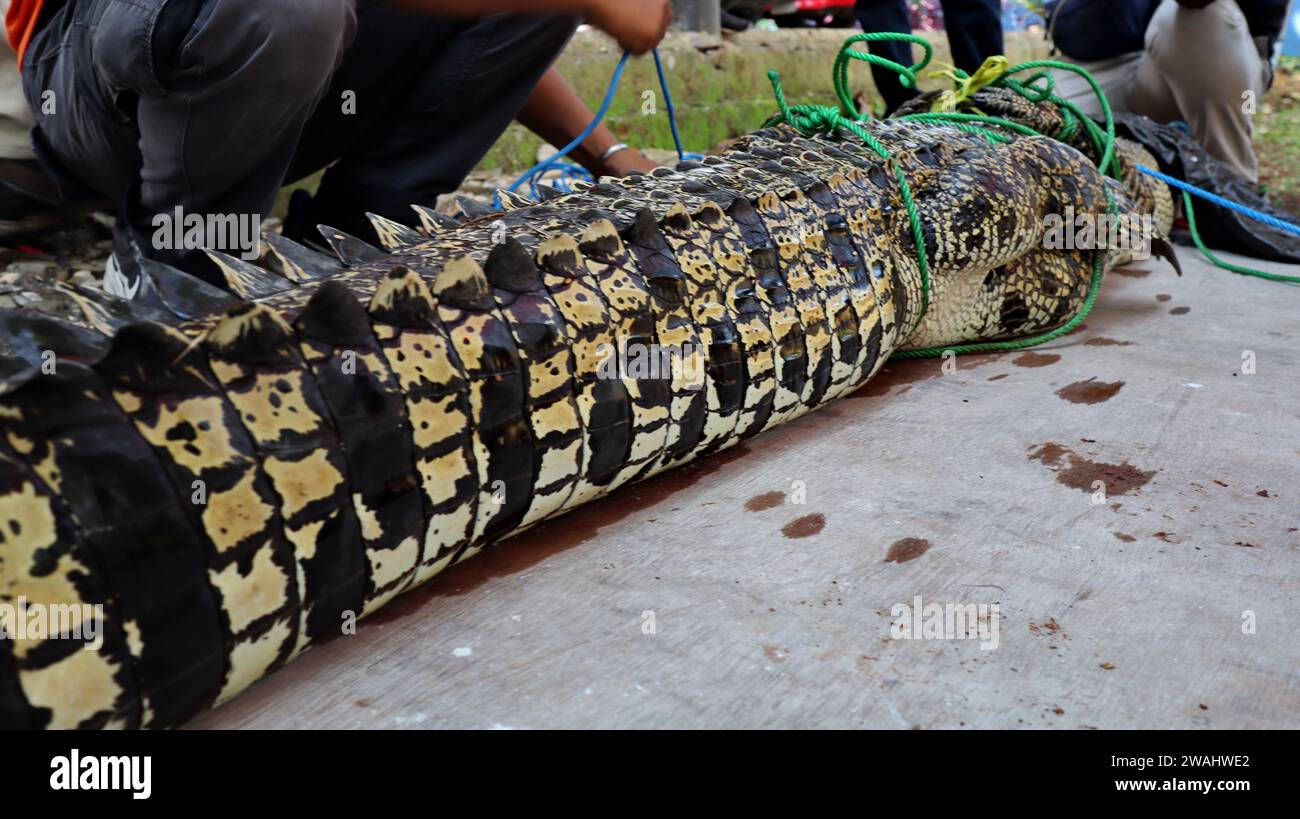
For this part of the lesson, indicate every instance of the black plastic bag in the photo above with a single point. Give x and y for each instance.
(1182, 158)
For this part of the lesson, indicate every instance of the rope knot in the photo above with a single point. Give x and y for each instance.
(987, 74)
(815, 119)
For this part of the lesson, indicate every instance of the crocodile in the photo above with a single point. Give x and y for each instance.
(206, 482)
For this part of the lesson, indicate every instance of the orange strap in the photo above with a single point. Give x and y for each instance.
(20, 24)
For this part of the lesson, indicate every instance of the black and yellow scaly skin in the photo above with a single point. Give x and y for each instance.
(227, 482)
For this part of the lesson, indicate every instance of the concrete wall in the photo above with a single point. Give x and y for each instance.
(698, 15)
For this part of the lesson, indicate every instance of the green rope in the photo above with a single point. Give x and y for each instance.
(1245, 271)
(815, 119)
(906, 74)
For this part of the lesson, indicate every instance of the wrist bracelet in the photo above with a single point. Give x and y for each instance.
(613, 149)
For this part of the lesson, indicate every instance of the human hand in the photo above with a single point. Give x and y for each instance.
(637, 25)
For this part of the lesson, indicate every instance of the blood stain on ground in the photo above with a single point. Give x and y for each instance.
(905, 373)
(765, 501)
(553, 537)
(806, 526)
(909, 548)
(1132, 272)
(1091, 391)
(1035, 359)
(1081, 473)
(1180, 311)
(1102, 341)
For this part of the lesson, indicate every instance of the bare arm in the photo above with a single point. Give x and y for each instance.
(638, 25)
(556, 114)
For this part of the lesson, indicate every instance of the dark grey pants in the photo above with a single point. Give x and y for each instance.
(213, 105)
(974, 34)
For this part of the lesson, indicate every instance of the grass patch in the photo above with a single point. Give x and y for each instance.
(722, 93)
(1277, 137)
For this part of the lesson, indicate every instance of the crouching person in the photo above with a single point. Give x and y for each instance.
(208, 107)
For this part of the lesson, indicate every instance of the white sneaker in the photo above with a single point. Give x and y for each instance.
(117, 283)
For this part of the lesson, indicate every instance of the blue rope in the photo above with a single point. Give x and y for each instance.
(1221, 202)
(668, 102)
(542, 167)
(570, 170)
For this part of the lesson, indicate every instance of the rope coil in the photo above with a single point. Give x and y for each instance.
(569, 169)
(1039, 87)
(809, 120)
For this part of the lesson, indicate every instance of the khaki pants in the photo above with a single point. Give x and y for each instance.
(1200, 66)
(15, 116)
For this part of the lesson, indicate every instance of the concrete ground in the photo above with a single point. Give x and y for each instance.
(1125, 496)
